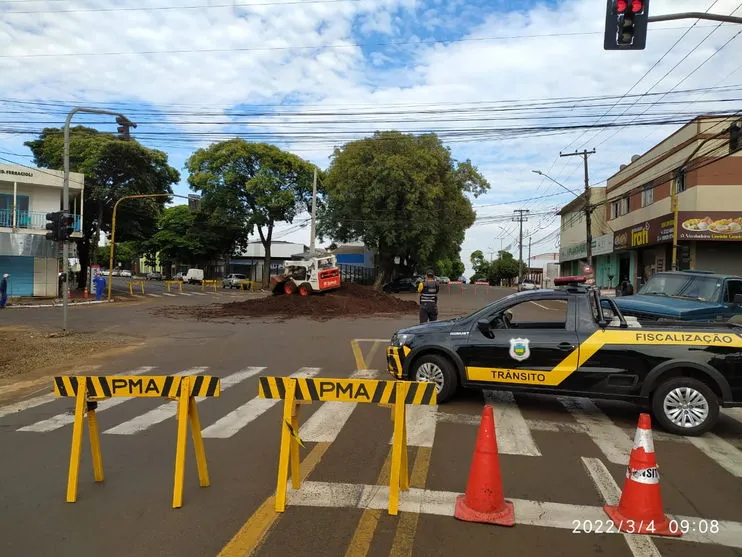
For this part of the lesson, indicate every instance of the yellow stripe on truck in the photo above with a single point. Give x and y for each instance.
(592, 344)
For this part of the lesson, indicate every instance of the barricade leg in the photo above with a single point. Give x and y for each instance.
(198, 443)
(398, 447)
(180, 449)
(142, 285)
(95, 442)
(287, 449)
(74, 470)
(131, 290)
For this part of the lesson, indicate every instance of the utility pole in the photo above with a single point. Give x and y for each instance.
(588, 207)
(529, 255)
(314, 211)
(520, 218)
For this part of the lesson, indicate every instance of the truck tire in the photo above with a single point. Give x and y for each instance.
(439, 370)
(305, 289)
(289, 288)
(685, 406)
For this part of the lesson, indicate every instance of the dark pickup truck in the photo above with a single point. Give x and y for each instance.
(580, 344)
(686, 296)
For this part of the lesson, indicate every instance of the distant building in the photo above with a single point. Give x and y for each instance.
(26, 196)
(359, 255)
(251, 261)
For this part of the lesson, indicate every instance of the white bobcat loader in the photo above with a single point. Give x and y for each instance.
(307, 274)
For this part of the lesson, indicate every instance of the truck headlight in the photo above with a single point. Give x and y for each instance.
(400, 339)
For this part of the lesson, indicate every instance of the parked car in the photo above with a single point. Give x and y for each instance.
(686, 296)
(527, 284)
(126, 273)
(403, 284)
(233, 280)
(444, 280)
(154, 275)
(684, 372)
(194, 276)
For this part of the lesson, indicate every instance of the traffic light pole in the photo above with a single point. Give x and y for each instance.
(694, 15)
(113, 226)
(66, 201)
(588, 206)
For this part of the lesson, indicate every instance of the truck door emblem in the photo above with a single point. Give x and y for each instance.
(519, 349)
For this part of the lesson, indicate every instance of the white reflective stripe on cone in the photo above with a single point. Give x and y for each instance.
(647, 476)
(643, 439)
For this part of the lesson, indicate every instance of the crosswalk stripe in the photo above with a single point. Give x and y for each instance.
(186, 294)
(513, 434)
(200, 294)
(61, 420)
(167, 294)
(154, 295)
(154, 416)
(325, 424)
(724, 453)
(35, 401)
(254, 408)
(611, 439)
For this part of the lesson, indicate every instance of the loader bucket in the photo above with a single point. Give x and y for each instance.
(276, 285)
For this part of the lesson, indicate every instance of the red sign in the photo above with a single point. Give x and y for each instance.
(710, 225)
(647, 233)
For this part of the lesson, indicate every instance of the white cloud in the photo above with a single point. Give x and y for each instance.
(253, 56)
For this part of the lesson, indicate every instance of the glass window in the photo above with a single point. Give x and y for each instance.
(683, 286)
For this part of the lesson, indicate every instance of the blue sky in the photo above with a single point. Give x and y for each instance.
(309, 76)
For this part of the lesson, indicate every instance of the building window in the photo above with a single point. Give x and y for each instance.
(680, 181)
(619, 207)
(647, 196)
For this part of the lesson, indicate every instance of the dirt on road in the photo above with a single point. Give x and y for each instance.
(349, 300)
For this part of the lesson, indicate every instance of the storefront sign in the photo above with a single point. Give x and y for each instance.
(710, 225)
(655, 231)
(601, 246)
(16, 173)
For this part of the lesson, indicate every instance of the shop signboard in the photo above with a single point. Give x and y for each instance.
(647, 233)
(710, 225)
(601, 246)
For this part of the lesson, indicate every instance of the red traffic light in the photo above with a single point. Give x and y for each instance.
(621, 6)
(637, 6)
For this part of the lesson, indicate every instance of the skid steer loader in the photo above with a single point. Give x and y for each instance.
(307, 274)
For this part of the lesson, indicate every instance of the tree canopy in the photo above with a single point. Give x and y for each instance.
(401, 194)
(254, 185)
(113, 168)
(504, 268)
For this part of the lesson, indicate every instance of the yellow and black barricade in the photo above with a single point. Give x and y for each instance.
(87, 391)
(391, 394)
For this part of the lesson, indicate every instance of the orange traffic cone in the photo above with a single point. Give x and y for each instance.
(640, 509)
(85, 294)
(484, 500)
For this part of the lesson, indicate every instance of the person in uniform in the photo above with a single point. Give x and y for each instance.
(4, 290)
(428, 290)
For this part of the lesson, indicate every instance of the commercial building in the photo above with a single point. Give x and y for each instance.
(26, 196)
(685, 192)
(573, 239)
(251, 261)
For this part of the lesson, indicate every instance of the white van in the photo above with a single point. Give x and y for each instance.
(194, 276)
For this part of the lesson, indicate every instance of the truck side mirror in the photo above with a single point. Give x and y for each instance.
(738, 299)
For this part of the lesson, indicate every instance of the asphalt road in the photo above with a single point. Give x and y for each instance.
(561, 459)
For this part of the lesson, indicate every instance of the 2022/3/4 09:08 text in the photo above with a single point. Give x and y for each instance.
(632, 526)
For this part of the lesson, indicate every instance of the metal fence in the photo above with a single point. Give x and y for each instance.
(34, 220)
(357, 274)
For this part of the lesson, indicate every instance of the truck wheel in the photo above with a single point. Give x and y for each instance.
(685, 406)
(305, 289)
(288, 288)
(438, 370)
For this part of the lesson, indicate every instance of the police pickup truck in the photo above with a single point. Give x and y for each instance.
(571, 341)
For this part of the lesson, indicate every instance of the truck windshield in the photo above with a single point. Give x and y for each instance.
(683, 286)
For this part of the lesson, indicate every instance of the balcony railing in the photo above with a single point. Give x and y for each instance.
(31, 220)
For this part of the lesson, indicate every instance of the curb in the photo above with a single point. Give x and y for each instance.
(56, 305)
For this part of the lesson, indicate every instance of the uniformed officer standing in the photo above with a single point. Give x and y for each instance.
(428, 298)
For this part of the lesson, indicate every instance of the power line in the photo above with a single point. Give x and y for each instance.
(189, 7)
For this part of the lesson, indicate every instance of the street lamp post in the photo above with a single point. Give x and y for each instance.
(66, 196)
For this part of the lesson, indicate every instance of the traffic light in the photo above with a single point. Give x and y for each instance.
(735, 141)
(66, 226)
(683, 257)
(53, 226)
(626, 24)
(123, 127)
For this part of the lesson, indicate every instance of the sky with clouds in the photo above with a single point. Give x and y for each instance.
(507, 84)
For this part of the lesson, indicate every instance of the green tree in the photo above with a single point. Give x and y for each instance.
(113, 168)
(504, 268)
(457, 269)
(401, 194)
(480, 264)
(253, 184)
(126, 253)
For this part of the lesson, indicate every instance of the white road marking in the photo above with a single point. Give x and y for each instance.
(640, 545)
(254, 408)
(35, 401)
(325, 424)
(611, 439)
(421, 422)
(200, 294)
(155, 295)
(185, 294)
(513, 435)
(154, 416)
(724, 453)
(464, 419)
(528, 513)
(167, 294)
(61, 420)
(541, 306)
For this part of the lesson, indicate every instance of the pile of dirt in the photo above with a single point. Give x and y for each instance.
(349, 300)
